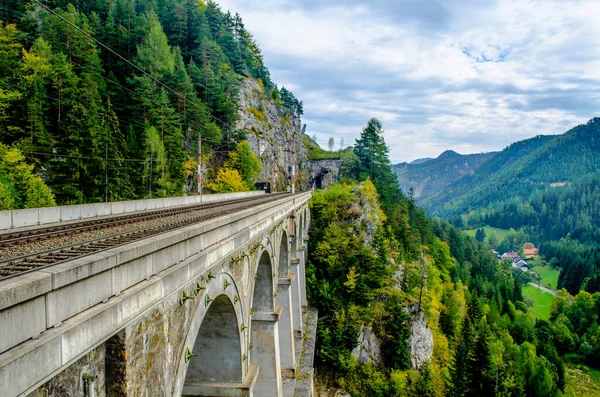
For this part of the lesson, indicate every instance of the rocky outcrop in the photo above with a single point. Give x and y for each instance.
(369, 347)
(420, 342)
(273, 133)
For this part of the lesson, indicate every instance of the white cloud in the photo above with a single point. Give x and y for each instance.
(493, 73)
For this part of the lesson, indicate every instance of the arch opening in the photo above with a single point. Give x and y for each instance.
(284, 257)
(217, 345)
(262, 298)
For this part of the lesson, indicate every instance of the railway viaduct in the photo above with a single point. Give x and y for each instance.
(216, 308)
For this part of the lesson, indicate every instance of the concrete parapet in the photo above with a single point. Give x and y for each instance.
(5, 220)
(49, 215)
(24, 218)
(27, 319)
(42, 216)
(22, 288)
(68, 213)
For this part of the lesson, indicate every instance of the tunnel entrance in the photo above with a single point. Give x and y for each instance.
(319, 178)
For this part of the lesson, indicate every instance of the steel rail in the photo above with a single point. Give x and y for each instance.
(28, 263)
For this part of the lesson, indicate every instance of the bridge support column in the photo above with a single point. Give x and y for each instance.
(229, 389)
(265, 353)
(296, 297)
(286, 328)
(302, 255)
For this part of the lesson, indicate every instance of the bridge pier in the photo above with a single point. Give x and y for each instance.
(302, 274)
(265, 353)
(296, 297)
(286, 328)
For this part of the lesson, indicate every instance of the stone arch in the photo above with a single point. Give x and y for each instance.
(284, 256)
(218, 307)
(217, 346)
(263, 295)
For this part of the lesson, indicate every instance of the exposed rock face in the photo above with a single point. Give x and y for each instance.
(369, 348)
(272, 134)
(398, 278)
(420, 342)
(368, 215)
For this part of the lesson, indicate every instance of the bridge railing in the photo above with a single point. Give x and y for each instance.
(13, 219)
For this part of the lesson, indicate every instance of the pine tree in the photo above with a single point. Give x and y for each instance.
(154, 55)
(462, 362)
(480, 235)
(117, 183)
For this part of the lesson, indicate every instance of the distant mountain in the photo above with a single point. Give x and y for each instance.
(421, 161)
(428, 176)
(536, 164)
(548, 187)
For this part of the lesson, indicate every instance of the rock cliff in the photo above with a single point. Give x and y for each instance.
(420, 342)
(273, 133)
(369, 348)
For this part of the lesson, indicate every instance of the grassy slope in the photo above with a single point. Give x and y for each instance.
(549, 276)
(541, 302)
(500, 233)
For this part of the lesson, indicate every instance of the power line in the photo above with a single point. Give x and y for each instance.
(123, 58)
(193, 123)
(108, 159)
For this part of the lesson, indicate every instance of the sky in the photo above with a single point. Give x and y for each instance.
(467, 75)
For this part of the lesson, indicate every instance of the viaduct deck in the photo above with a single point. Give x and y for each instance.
(210, 309)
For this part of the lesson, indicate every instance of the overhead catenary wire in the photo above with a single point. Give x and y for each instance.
(123, 58)
(110, 159)
(193, 123)
(131, 122)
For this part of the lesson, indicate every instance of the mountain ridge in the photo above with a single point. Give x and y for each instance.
(526, 164)
(428, 177)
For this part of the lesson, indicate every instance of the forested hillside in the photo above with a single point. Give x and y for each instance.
(442, 316)
(446, 202)
(107, 99)
(429, 176)
(549, 189)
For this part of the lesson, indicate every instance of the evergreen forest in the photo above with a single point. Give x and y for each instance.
(106, 100)
(547, 188)
(379, 266)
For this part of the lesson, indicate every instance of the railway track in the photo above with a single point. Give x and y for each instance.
(18, 265)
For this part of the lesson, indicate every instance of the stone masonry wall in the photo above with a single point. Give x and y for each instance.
(70, 382)
(271, 133)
